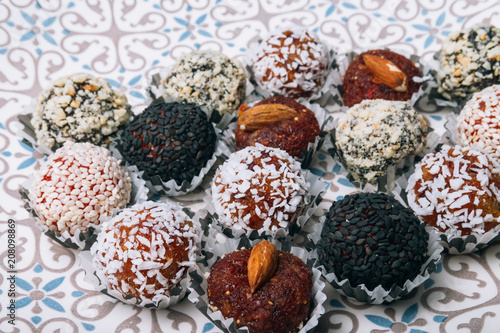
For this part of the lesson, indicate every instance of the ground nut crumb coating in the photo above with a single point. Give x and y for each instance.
(77, 185)
(171, 140)
(293, 135)
(371, 239)
(146, 250)
(79, 108)
(208, 78)
(259, 188)
(469, 61)
(280, 306)
(375, 134)
(478, 121)
(360, 83)
(457, 191)
(292, 63)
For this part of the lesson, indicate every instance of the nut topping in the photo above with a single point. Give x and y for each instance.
(265, 115)
(386, 72)
(261, 264)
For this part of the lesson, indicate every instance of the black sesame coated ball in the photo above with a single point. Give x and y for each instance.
(371, 239)
(170, 140)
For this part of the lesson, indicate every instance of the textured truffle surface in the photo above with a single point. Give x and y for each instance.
(478, 121)
(146, 250)
(375, 134)
(371, 239)
(259, 188)
(77, 185)
(280, 305)
(360, 83)
(208, 78)
(469, 61)
(291, 63)
(457, 190)
(292, 135)
(170, 140)
(79, 108)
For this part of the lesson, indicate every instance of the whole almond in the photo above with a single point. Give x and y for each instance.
(386, 72)
(262, 264)
(265, 115)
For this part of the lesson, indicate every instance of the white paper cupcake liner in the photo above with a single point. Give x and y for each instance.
(325, 121)
(328, 97)
(215, 245)
(379, 295)
(170, 188)
(316, 191)
(81, 240)
(387, 182)
(100, 282)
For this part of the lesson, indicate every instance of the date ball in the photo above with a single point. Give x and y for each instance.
(169, 140)
(77, 185)
(259, 188)
(79, 108)
(457, 191)
(146, 250)
(279, 305)
(292, 63)
(371, 239)
(278, 122)
(380, 74)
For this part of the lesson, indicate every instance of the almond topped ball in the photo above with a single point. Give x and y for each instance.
(259, 188)
(278, 122)
(263, 289)
(77, 185)
(145, 251)
(292, 63)
(79, 108)
(380, 74)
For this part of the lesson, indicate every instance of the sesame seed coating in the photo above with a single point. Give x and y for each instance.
(79, 108)
(77, 185)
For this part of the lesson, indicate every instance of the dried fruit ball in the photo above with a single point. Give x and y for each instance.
(292, 63)
(371, 239)
(77, 185)
(279, 305)
(79, 108)
(478, 121)
(208, 78)
(375, 134)
(380, 74)
(170, 140)
(259, 188)
(278, 122)
(145, 250)
(457, 191)
(469, 61)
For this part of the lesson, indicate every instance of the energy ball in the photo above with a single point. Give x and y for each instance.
(259, 188)
(380, 74)
(469, 61)
(77, 185)
(292, 63)
(79, 108)
(208, 78)
(456, 190)
(171, 140)
(375, 134)
(278, 122)
(281, 304)
(478, 121)
(371, 239)
(146, 250)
